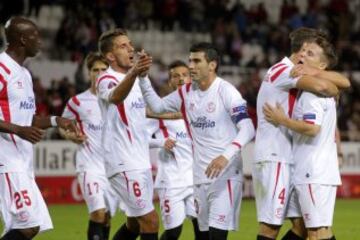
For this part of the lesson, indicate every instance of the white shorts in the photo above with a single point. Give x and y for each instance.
(135, 189)
(315, 203)
(21, 203)
(176, 204)
(272, 187)
(97, 192)
(218, 204)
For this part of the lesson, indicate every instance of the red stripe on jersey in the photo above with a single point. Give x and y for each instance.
(277, 74)
(311, 194)
(309, 122)
(276, 66)
(183, 111)
(6, 69)
(4, 104)
(122, 113)
(236, 144)
(9, 184)
(277, 177)
(163, 128)
(230, 192)
(77, 117)
(76, 100)
(188, 85)
(291, 101)
(104, 77)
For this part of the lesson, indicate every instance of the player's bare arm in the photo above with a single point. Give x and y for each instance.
(339, 80)
(47, 122)
(317, 86)
(140, 68)
(31, 134)
(166, 115)
(276, 115)
(78, 139)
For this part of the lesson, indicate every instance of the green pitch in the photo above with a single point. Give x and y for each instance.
(70, 222)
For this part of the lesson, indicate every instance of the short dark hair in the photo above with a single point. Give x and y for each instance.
(93, 57)
(106, 39)
(328, 50)
(211, 53)
(177, 63)
(299, 36)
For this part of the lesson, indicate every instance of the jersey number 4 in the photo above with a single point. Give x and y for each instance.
(282, 196)
(21, 198)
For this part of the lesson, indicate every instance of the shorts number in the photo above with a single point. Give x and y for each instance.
(96, 185)
(137, 191)
(282, 196)
(21, 198)
(167, 206)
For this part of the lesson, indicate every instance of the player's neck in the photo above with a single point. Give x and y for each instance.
(18, 56)
(206, 83)
(93, 89)
(119, 69)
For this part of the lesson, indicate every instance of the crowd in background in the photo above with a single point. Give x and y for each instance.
(246, 37)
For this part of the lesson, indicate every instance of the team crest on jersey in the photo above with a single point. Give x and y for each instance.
(211, 107)
(279, 213)
(19, 85)
(221, 218)
(23, 216)
(140, 203)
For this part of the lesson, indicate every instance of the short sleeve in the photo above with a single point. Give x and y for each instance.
(234, 103)
(313, 108)
(279, 76)
(105, 86)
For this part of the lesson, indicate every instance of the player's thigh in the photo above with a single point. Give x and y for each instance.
(272, 188)
(93, 187)
(202, 205)
(189, 199)
(22, 205)
(317, 203)
(135, 189)
(224, 204)
(172, 206)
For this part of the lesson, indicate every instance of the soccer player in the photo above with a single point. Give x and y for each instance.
(22, 207)
(90, 168)
(316, 169)
(216, 119)
(125, 136)
(273, 161)
(174, 179)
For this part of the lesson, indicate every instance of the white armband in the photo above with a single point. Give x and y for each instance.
(53, 122)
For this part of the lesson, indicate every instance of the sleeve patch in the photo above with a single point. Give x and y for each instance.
(309, 116)
(239, 113)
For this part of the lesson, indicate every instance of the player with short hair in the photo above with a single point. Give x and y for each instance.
(217, 121)
(174, 179)
(125, 136)
(100, 199)
(22, 207)
(273, 160)
(316, 169)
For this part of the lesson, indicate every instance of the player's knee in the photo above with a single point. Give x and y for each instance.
(149, 222)
(30, 232)
(172, 234)
(98, 216)
(269, 230)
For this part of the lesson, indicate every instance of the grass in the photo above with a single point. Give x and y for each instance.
(70, 222)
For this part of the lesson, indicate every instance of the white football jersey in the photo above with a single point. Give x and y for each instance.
(315, 158)
(174, 167)
(274, 143)
(17, 106)
(84, 108)
(125, 137)
(208, 118)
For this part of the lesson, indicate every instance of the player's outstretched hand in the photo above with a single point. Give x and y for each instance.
(68, 125)
(274, 115)
(169, 144)
(143, 64)
(301, 69)
(31, 134)
(216, 166)
(72, 136)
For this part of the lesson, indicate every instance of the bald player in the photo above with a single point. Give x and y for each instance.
(22, 207)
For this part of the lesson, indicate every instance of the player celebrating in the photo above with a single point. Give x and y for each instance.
(90, 167)
(316, 169)
(22, 207)
(216, 119)
(125, 136)
(174, 179)
(273, 161)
